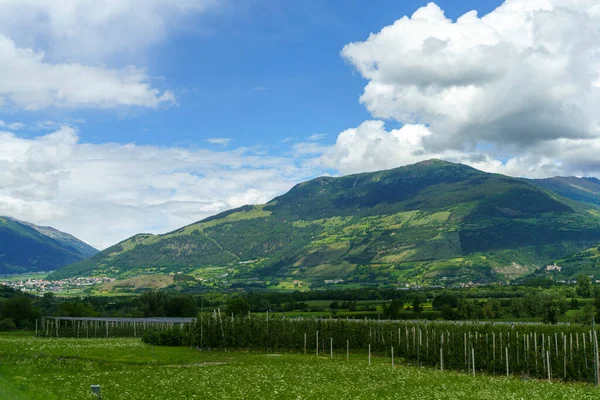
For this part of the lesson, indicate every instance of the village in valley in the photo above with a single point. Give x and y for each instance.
(41, 285)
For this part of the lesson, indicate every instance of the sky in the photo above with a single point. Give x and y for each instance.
(125, 116)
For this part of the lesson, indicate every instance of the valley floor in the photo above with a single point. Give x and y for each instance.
(38, 368)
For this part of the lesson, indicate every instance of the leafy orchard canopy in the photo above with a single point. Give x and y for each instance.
(568, 352)
(127, 320)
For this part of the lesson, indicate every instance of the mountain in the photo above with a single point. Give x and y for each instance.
(25, 247)
(434, 222)
(586, 190)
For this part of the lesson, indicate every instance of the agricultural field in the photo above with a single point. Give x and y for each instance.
(22, 277)
(49, 368)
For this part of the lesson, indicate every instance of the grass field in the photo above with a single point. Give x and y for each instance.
(37, 368)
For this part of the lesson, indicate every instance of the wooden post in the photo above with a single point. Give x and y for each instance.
(535, 350)
(473, 359)
(507, 372)
(317, 343)
(442, 353)
(494, 345)
(571, 346)
(545, 364)
(465, 346)
(565, 355)
(369, 354)
(36, 329)
(584, 351)
(548, 365)
(596, 358)
(305, 343)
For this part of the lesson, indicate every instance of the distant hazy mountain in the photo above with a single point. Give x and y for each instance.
(25, 247)
(430, 222)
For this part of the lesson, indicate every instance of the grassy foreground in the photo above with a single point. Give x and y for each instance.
(37, 368)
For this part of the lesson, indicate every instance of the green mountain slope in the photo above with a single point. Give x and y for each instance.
(430, 222)
(25, 247)
(586, 190)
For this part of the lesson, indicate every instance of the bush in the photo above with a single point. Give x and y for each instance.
(169, 337)
(7, 324)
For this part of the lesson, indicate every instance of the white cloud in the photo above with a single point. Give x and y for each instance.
(106, 193)
(13, 126)
(370, 147)
(92, 30)
(30, 83)
(64, 53)
(520, 74)
(317, 137)
(220, 141)
(522, 79)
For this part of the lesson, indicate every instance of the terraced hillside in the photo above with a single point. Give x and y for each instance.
(430, 222)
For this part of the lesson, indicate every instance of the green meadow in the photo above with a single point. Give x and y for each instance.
(44, 368)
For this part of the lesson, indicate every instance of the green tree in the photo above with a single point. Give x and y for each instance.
(585, 315)
(448, 313)
(75, 309)
(237, 306)
(574, 304)
(48, 303)
(517, 307)
(488, 311)
(417, 303)
(153, 303)
(181, 306)
(584, 286)
(20, 310)
(393, 309)
(597, 304)
(465, 309)
(551, 306)
(445, 298)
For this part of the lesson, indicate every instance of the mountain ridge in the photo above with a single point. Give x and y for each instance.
(26, 247)
(434, 221)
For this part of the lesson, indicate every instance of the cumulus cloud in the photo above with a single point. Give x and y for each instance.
(371, 147)
(104, 193)
(58, 53)
(524, 79)
(92, 30)
(29, 82)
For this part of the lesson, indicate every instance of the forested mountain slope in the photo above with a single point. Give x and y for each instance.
(25, 247)
(430, 222)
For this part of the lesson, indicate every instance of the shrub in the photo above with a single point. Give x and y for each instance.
(7, 324)
(169, 337)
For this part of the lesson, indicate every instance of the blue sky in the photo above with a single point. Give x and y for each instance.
(257, 75)
(118, 118)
